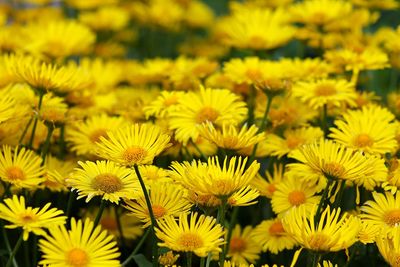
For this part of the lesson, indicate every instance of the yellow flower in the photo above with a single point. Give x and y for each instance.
(21, 167)
(53, 109)
(220, 180)
(133, 144)
(333, 232)
(271, 235)
(83, 245)
(230, 137)
(327, 264)
(325, 92)
(152, 174)
(7, 106)
(249, 70)
(165, 103)
(242, 247)
(198, 234)
(377, 4)
(371, 130)
(368, 232)
(105, 18)
(57, 171)
(166, 200)
(89, 4)
(30, 219)
(217, 106)
(168, 259)
(389, 247)
(267, 187)
(106, 179)
(84, 135)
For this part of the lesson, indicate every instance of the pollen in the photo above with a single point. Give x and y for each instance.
(77, 258)
(334, 169)
(15, 173)
(107, 183)
(392, 217)
(158, 211)
(319, 242)
(190, 241)
(134, 154)
(297, 198)
(95, 135)
(325, 90)
(207, 114)
(237, 244)
(363, 140)
(276, 229)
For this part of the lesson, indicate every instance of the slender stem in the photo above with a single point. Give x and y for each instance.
(315, 259)
(137, 248)
(339, 195)
(120, 230)
(221, 221)
(324, 121)
(198, 150)
(41, 94)
(34, 250)
(71, 197)
(322, 201)
(7, 242)
(26, 254)
(46, 146)
(152, 218)
(251, 104)
(202, 261)
(354, 76)
(230, 230)
(189, 259)
(62, 142)
(25, 131)
(208, 259)
(99, 213)
(15, 250)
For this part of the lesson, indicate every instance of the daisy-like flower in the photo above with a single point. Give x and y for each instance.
(106, 179)
(30, 219)
(292, 139)
(133, 145)
(21, 167)
(57, 172)
(166, 200)
(83, 245)
(243, 248)
(326, 91)
(371, 129)
(230, 137)
(389, 247)
(84, 135)
(267, 187)
(191, 233)
(368, 232)
(7, 106)
(272, 237)
(212, 178)
(152, 174)
(333, 232)
(217, 106)
(168, 259)
(383, 211)
(163, 104)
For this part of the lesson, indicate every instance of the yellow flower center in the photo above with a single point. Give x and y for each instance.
(296, 198)
(363, 140)
(134, 154)
(77, 258)
(106, 182)
(53, 115)
(158, 211)
(230, 142)
(170, 101)
(15, 173)
(318, 242)
(333, 169)
(254, 74)
(27, 218)
(293, 142)
(325, 90)
(392, 217)
(168, 258)
(190, 241)
(95, 135)
(237, 245)
(276, 229)
(271, 188)
(223, 186)
(207, 114)
(109, 223)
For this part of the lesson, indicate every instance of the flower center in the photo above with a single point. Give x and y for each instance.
(95, 135)
(297, 198)
(207, 114)
(27, 218)
(271, 188)
(254, 74)
(363, 140)
(237, 244)
(190, 241)
(170, 101)
(318, 242)
(15, 173)
(333, 169)
(77, 258)
(158, 211)
(392, 217)
(230, 142)
(276, 229)
(134, 154)
(325, 90)
(293, 142)
(109, 223)
(106, 182)
(223, 186)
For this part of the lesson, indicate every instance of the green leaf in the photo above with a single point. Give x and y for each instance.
(141, 261)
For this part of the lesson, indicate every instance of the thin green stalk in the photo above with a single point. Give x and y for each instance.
(71, 197)
(6, 241)
(202, 261)
(46, 146)
(322, 201)
(99, 213)
(61, 142)
(339, 195)
(34, 250)
(198, 150)
(325, 119)
(26, 255)
(120, 230)
(14, 251)
(152, 218)
(230, 230)
(25, 131)
(315, 259)
(189, 259)
(221, 221)
(137, 248)
(30, 144)
(251, 104)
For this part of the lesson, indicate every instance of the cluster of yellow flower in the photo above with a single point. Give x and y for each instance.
(199, 133)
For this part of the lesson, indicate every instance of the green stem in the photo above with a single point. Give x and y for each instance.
(26, 254)
(99, 213)
(322, 201)
(71, 197)
(202, 261)
(34, 250)
(14, 252)
(230, 230)
(198, 150)
(137, 248)
(189, 259)
(152, 218)
(221, 221)
(339, 195)
(62, 142)
(6, 241)
(325, 119)
(120, 230)
(315, 259)
(30, 144)
(251, 104)
(46, 146)
(25, 131)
